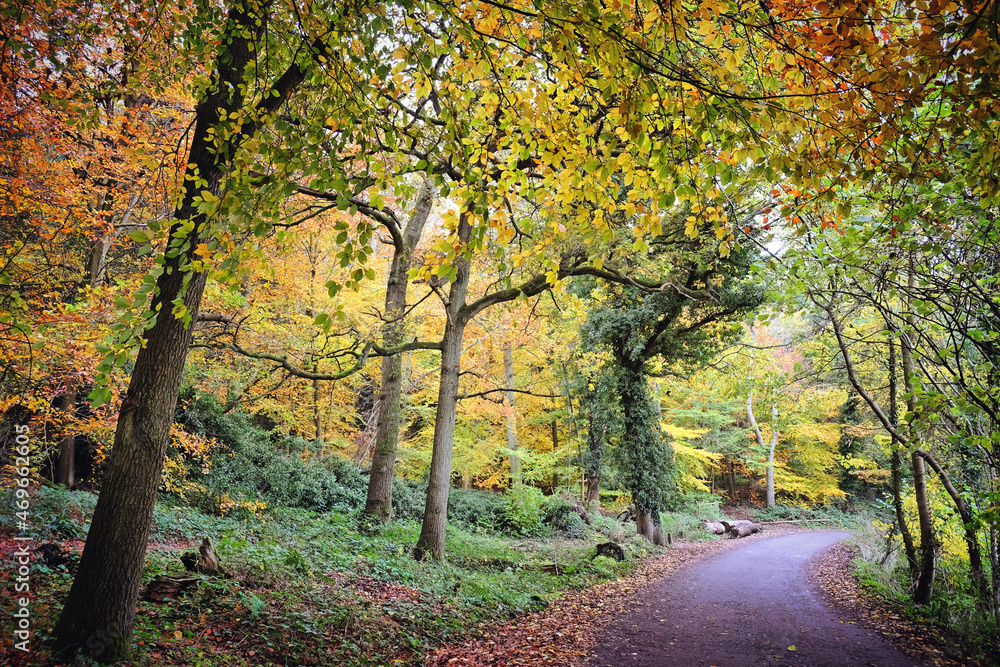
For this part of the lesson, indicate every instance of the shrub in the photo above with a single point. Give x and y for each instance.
(408, 499)
(524, 511)
(562, 518)
(477, 511)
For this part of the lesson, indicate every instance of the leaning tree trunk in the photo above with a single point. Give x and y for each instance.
(432, 533)
(99, 612)
(925, 580)
(977, 574)
(379, 502)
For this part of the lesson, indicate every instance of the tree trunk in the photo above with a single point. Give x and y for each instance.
(594, 459)
(760, 441)
(317, 416)
(66, 465)
(925, 581)
(99, 612)
(508, 378)
(593, 492)
(648, 525)
(379, 501)
(977, 574)
(732, 480)
(897, 496)
(432, 533)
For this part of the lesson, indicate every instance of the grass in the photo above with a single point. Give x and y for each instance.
(308, 587)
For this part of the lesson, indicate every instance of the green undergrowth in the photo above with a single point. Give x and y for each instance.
(952, 616)
(320, 588)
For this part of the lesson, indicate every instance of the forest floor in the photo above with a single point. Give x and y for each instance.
(309, 589)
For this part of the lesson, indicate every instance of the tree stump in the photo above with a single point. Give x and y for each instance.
(205, 562)
(611, 550)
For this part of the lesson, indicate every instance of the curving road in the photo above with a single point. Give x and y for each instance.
(750, 606)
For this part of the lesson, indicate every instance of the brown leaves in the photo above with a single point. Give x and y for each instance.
(834, 573)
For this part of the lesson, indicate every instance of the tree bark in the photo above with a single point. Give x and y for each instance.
(379, 501)
(432, 533)
(648, 525)
(508, 378)
(66, 465)
(99, 612)
(977, 573)
(925, 581)
(897, 496)
(760, 441)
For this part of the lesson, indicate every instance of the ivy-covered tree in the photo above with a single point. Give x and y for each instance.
(657, 332)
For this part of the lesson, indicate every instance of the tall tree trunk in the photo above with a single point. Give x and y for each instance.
(897, 496)
(760, 441)
(732, 480)
(66, 464)
(593, 460)
(317, 415)
(379, 501)
(925, 581)
(977, 573)
(508, 378)
(432, 533)
(99, 612)
(644, 452)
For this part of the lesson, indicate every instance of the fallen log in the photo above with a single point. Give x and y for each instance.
(744, 528)
(165, 588)
(715, 527)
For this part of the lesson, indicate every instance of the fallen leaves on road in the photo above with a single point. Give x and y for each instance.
(564, 634)
(834, 573)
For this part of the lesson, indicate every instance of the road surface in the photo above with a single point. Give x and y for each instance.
(749, 606)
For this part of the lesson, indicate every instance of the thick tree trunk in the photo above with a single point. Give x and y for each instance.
(99, 612)
(648, 525)
(925, 581)
(897, 496)
(66, 465)
(379, 501)
(432, 533)
(508, 378)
